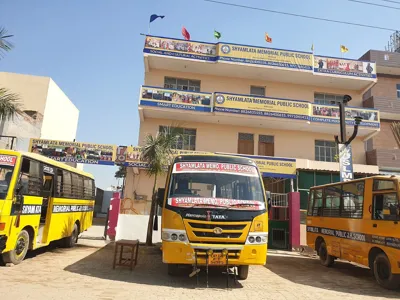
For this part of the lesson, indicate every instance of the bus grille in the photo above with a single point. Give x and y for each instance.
(203, 232)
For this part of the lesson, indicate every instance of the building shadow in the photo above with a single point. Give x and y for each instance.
(342, 277)
(150, 270)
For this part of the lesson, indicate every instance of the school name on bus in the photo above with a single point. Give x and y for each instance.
(71, 208)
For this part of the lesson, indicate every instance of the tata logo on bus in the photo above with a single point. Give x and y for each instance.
(345, 162)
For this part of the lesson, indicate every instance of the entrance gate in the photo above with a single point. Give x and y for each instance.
(278, 237)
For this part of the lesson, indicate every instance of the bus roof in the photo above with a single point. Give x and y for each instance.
(357, 180)
(221, 158)
(46, 160)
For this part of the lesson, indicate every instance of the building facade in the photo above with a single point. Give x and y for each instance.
(277, 106)
(45, 103)
(382, 149)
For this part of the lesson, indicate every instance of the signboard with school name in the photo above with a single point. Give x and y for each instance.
(261, 106)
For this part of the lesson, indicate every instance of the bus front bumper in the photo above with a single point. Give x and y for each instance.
(3, 242)
(187, 253)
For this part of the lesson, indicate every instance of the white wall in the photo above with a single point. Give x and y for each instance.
(60, 118)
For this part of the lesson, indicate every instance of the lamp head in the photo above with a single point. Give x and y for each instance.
(357, 120)
(346, 98)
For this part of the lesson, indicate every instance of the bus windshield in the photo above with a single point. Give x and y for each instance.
(7, 164)
(217, 185)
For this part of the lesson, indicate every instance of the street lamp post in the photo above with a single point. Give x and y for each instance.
(344, 147)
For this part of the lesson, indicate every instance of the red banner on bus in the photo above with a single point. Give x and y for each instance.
(7, 160)
(194, 167)
(215, 203)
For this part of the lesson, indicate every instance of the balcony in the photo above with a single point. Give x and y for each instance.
(250, 111)
(277, 65)
(384, 158)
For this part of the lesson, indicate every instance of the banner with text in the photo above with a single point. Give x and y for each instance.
(261, 106)
(86, 153)
(180, 48)
(175, 99)
(265, 56)
(345, 67)
(330, 114)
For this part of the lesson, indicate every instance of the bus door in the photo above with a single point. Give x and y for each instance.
(47, 193)
(385, 208)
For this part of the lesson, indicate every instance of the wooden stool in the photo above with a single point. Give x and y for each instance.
(126, 262)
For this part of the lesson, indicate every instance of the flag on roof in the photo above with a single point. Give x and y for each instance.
(343, 49)
(217, 34)
(155, 17)
(268, 39)
(185, 33)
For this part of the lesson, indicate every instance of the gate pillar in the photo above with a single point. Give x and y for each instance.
(294, 219)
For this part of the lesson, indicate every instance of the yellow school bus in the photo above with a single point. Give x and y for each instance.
(213, 214)
(357, 221)
(41, 201)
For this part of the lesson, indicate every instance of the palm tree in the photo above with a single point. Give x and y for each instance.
(5, 45)
(157, 153)
(9, 105)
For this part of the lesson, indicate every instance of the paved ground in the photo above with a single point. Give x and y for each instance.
(85, 272)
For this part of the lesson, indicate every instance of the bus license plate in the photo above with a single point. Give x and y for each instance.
(217, 259)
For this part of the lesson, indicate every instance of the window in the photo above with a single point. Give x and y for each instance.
(317, 205)
(77, 186)
(310, 203)
(381, 185)
(182, 84)
(325, 151)
(327, 99)
(265, 145)
(187, 139)
(386, 207)
(88, 188)
(353, 200)
(66, 185)
(30, 179)
(246, 143)
(332, 201)
(398, 90)
(257, 90)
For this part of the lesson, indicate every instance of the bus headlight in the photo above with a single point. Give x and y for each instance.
(174, 235)
(257, 238)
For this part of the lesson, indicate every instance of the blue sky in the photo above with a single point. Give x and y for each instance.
(93, 49)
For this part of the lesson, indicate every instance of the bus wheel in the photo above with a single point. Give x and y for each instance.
(70, 241)
(18, 254)
(383, 273)
(324, 257)
(243, 272)
(173, 269)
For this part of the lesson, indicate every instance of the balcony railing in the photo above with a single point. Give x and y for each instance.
(220, 102)
(260, 56)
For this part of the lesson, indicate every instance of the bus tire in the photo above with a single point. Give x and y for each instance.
(71, 241)
(324, 257)
(243, 272)
(173, 269)
(17, 255)
(383, 273)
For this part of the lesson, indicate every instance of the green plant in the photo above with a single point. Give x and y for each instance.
(5, 45)
(9, 105)
(157, 153)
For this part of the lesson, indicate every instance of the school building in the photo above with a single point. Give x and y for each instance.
(279, 106)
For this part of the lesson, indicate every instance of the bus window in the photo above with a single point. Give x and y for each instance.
(381, 185)
(317, 207)
(386, 207)
(332, 201)
(353, 200)
(30, 180)
(310, 203)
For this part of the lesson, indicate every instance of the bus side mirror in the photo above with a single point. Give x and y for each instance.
(18, 194)
(160, 197)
